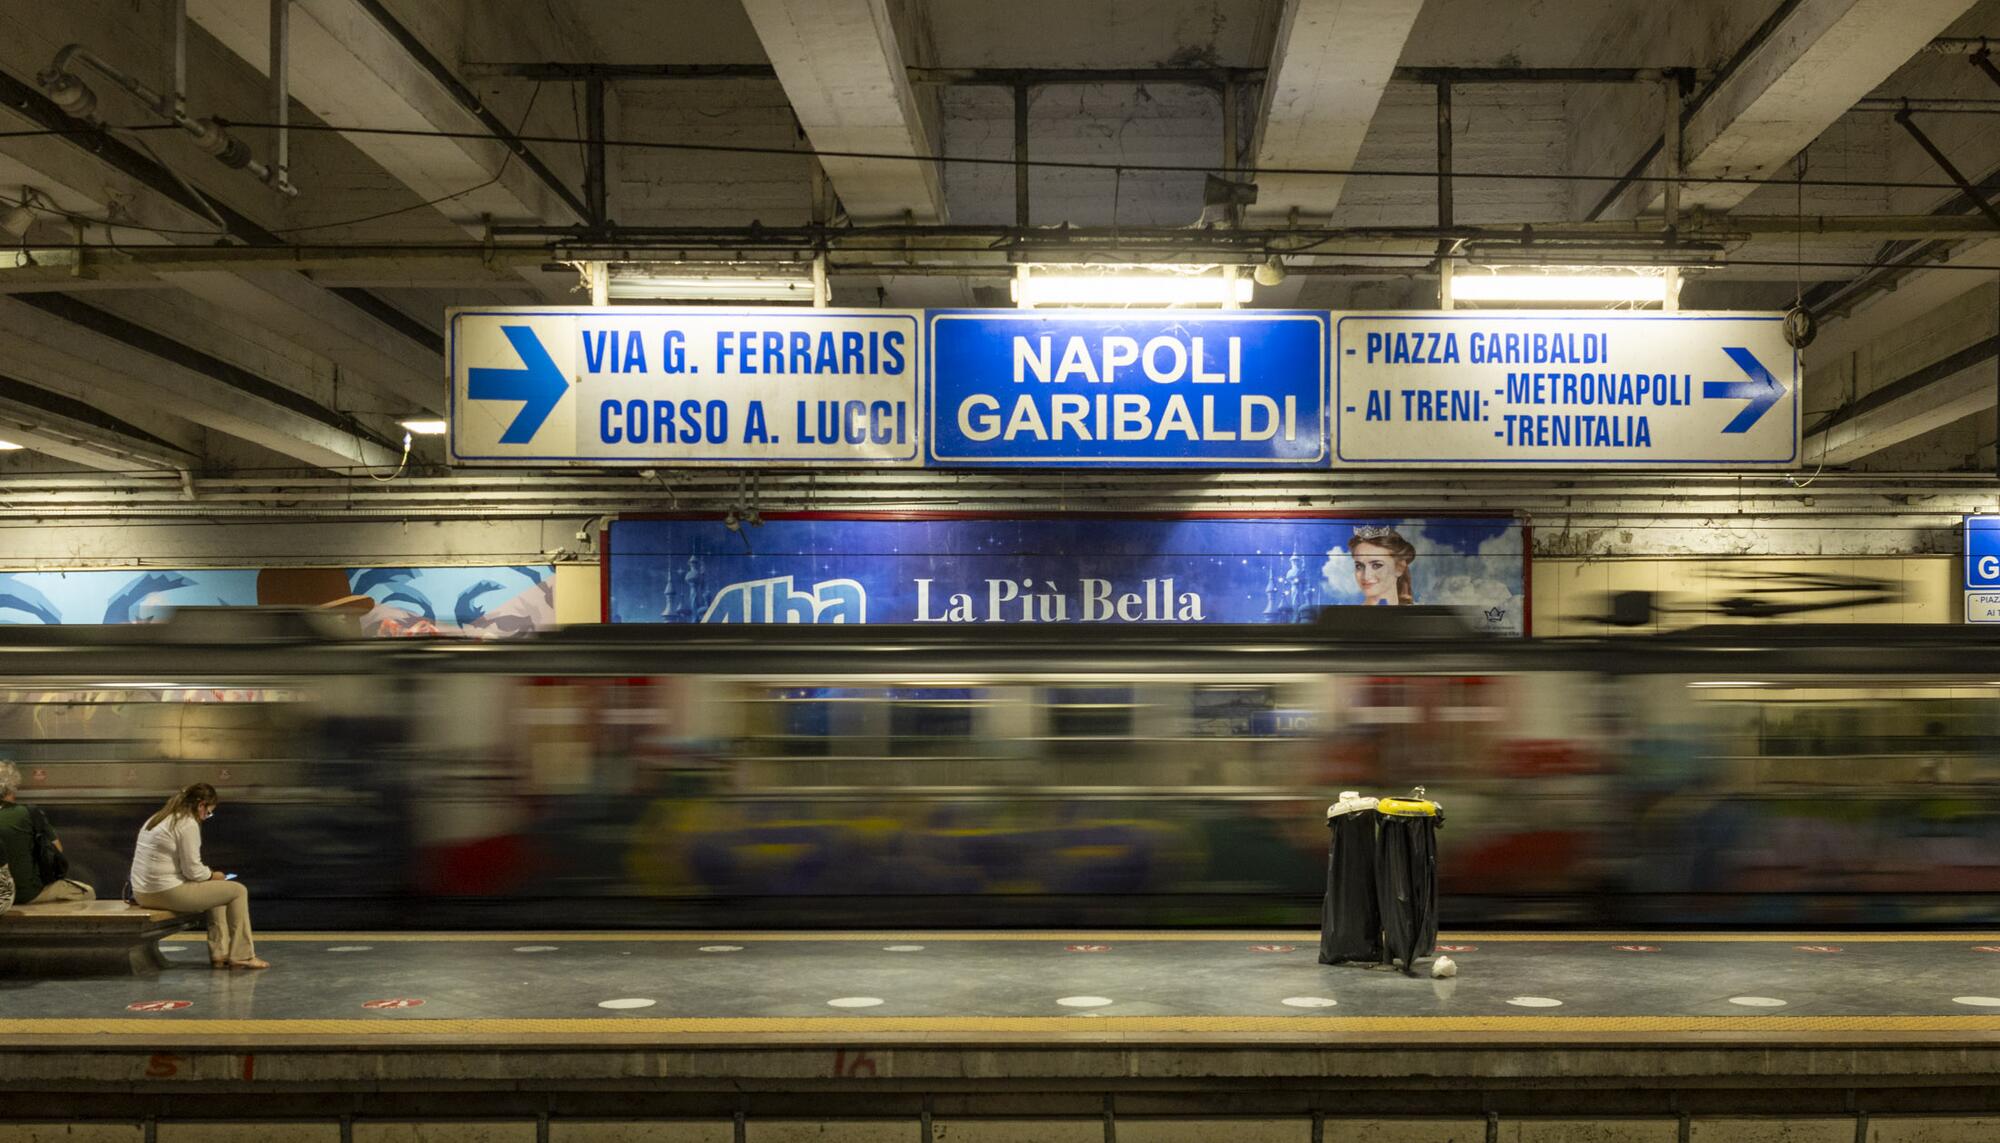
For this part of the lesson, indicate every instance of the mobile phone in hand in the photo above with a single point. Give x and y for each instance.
(229, 877)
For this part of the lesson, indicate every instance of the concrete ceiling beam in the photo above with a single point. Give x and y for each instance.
(844, 71)
(1330, 64)
(1914, 295)
(350, 71)
(1814, 67)
(238, 337)
(67, 429)
(143, 368)
(1930, 398)
(288, 304)
(284, 302)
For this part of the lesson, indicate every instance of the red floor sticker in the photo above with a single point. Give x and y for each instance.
(1819, 948)
(1086, 948)
(399, 1002)
(159, 1006)
(1458, 948)
(1637, 948)
(1273, 948)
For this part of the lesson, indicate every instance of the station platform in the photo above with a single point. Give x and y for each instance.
(1852, 1035)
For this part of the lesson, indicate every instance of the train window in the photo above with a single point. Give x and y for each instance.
(931, 720)
(1252, 711)
(1090, 712)
(1846, 734)
(92, 737)
(864, 722)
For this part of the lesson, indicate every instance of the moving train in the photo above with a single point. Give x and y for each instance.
(1047, 776)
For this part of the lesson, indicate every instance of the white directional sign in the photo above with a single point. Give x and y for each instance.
(683, 386)
(1572, 390)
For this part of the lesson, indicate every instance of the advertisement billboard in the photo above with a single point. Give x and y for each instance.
(1077, 569)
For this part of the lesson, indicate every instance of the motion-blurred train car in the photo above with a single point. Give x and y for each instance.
(803, 776)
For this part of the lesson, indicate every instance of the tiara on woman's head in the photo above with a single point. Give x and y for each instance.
(1373, 531)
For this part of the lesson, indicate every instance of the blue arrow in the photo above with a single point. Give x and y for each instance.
(1762, 390)
(538, 387)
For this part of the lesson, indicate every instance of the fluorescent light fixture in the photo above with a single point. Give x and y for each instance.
(425, 426)
(1122, 289)
(720, 288)
(6, 446)
(1557, 286)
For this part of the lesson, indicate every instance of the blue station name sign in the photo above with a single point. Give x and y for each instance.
(1229, 389)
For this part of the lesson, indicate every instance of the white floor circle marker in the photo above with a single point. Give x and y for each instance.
(1757, 1001)
(854, 1002)
(1084, 1001)
(627, 1002)
(1978, 1001)
(1535, 1002)
(534, 948)
(902, 948)
(721, 948)
(350, 948)
(1309, 1001)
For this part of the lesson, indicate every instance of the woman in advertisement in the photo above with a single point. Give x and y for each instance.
(1382, 565)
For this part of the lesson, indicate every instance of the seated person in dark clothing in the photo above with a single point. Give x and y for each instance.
(18, 824)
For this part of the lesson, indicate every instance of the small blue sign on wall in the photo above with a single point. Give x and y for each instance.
(1982, 569)
(1125, 388)
(1982, 553)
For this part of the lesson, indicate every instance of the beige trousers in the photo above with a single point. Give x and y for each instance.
(62, 891)
(227, 904)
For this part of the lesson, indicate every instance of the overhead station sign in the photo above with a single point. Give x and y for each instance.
(685, 386)
(1139, 388)
(1127, 388)
(1610, 390)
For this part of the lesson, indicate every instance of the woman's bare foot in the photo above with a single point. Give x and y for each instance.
(253, 962)
(213, 963)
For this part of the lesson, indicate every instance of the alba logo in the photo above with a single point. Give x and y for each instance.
(775, 600)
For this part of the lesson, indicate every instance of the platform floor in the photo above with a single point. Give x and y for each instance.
(773, 988)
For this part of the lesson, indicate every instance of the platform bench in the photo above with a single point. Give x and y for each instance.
(73, 939)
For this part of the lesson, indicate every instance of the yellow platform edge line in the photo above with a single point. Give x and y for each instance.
(180, 1029)
(1294, 937)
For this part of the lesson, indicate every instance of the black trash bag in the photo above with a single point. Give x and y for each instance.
(1406, 886)
(1350, 924)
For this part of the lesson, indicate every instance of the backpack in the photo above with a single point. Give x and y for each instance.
(50, 864)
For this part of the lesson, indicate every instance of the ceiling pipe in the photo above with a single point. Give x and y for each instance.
(75, 98)
(1210, 77)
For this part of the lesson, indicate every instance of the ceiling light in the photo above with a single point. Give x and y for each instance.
(720, 288)
(7, 445)
(425, 426)
(1130, 290)
(1557, 286)
(1271, 272)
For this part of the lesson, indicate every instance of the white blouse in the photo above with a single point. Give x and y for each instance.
(168, 856)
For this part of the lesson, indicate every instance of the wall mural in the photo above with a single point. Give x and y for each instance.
(475, 602)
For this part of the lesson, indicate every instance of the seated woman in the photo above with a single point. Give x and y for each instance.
(167, 873)
(23, 831)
